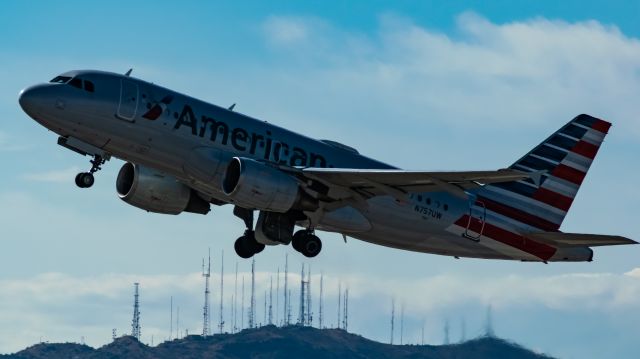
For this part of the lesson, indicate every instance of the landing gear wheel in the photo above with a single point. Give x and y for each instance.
(85, 180)
(256, 246)
(241, 249)
(247, 246)
(306, 243)
(311, 247)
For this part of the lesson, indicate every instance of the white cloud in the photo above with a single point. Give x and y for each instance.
(486, 75)
(54, 176)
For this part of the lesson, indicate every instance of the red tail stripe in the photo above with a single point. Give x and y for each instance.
(602, 126)
(585, 149)
(568, 173)
(539, 250)
(552, 198)
(519, 215)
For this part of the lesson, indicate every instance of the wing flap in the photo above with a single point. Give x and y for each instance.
(559, 239)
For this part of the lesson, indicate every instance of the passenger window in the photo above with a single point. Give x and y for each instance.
(419, 198)
(76, 83)
(88, 85)
(429, 201)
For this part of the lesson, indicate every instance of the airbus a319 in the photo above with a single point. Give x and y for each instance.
(185, 155)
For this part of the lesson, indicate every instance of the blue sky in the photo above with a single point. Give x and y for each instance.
(422, 85)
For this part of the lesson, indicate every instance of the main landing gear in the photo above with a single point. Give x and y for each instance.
(277, 230)
(246, 246)
(86, 179)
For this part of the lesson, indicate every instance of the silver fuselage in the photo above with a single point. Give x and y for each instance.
(111, 118)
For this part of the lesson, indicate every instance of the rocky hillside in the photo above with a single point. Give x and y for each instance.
(275, 342)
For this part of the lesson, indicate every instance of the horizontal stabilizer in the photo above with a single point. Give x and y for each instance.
(559, 239)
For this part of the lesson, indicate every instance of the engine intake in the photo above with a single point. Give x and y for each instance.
(251, 184)
(157, 192)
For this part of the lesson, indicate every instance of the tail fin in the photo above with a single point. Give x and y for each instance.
(565, 158)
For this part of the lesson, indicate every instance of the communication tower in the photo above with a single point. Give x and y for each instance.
(320, 305)
(252, 311)
(221, 320)
(206, 331)
(135, 323)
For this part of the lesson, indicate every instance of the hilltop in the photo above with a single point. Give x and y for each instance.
(279, 342)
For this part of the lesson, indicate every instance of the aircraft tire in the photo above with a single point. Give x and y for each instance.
(311, 246)
(298, 240)
(242, 249)
(84, 180)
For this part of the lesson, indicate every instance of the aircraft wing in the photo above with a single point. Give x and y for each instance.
(559, 239)
(398, 183)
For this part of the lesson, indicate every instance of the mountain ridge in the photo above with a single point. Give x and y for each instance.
(271, 342)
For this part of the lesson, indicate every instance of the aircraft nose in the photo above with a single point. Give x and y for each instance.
(31, 98)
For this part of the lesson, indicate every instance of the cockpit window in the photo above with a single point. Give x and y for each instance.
(76, 82)
(88, 85)
(61, 79)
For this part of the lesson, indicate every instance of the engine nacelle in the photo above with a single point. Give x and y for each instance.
(251, 184)
(157, 192)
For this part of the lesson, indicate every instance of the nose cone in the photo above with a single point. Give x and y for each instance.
(31, 99)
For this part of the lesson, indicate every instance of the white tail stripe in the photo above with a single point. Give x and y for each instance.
(555, 186)
(594, 137)
(577, 162)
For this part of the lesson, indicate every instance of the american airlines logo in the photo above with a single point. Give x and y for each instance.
(260, 144)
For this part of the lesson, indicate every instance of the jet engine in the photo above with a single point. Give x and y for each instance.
(157, 192)
(251, 184)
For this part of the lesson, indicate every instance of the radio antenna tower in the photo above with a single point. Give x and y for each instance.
(339, 302)
(270, 300)
(301, 312)
(171, 320)
(286, 291)
(289, 307)
(235, 302)
(221, 320)
(446, 332)
(277, 297)
(393, 318)
(320, 305)
(135, 323)
(264, 321)
(401, 323)
(345, 323)
(252, 311)
(205, 309)
(308, 292)
(489, 325)
(242, 307)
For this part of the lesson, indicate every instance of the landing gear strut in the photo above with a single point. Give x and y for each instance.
(307, 243)
(246, 246)
(86, 179)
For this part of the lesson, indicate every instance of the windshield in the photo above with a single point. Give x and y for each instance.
(61, 79)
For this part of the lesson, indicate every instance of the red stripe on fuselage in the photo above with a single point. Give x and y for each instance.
(539, 250)
(519, 215)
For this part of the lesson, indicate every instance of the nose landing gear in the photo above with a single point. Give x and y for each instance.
(86, 179)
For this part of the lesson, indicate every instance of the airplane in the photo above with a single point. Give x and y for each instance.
(184, 155)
